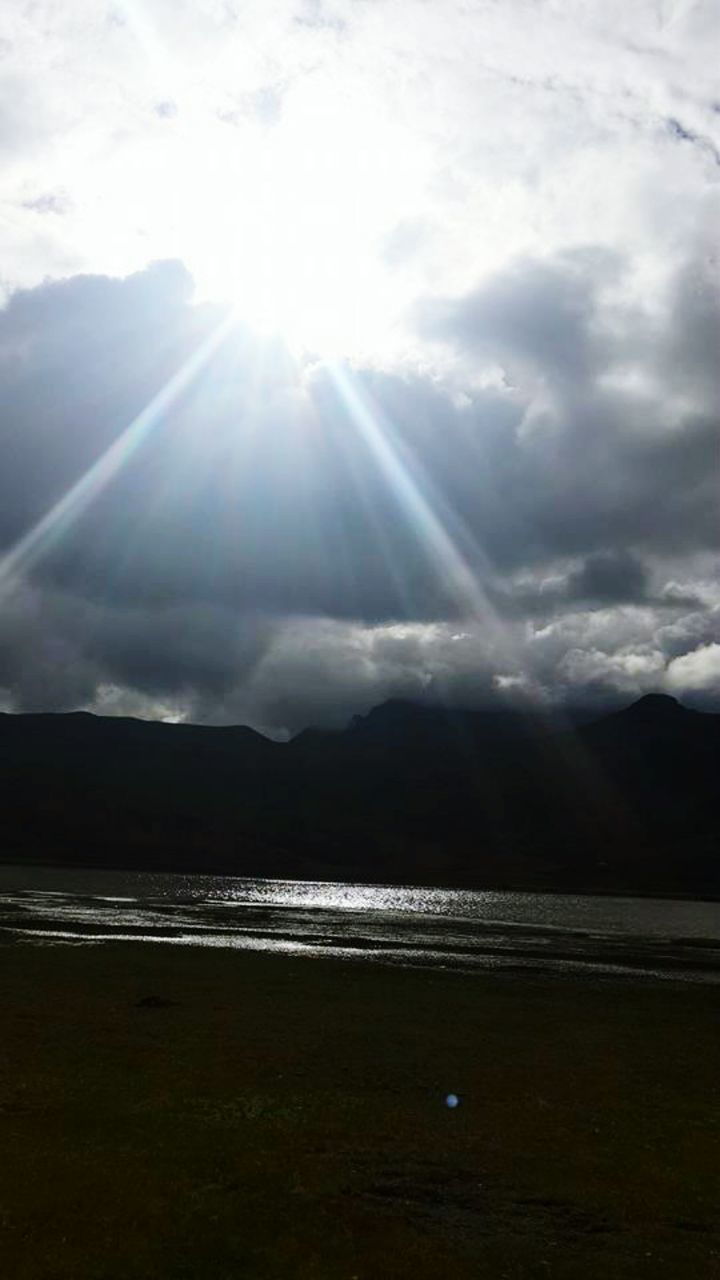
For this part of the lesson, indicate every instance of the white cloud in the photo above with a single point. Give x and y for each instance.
(698, 671)
(117, 700)
(491, 129)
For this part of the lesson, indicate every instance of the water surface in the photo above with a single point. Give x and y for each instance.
(447, 928)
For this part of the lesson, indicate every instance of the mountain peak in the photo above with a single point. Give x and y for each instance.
(657, 703)
(654, 711)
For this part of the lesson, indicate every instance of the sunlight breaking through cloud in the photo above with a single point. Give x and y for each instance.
(26, 552)
(433, 294)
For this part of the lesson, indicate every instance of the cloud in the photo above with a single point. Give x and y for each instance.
(530, 128)
(166, 110)
(60, 651)
(258, 528)
(595, 475)
(581, 459)
(696, 140)
(696, 672)
(55, 202)
(505, 481)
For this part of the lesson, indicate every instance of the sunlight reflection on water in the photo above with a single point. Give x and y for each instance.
(447, 928)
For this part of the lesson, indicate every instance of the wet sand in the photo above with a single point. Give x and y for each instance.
(176, 1112)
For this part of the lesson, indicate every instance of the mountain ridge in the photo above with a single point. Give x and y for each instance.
(391, 706)
(409, 792)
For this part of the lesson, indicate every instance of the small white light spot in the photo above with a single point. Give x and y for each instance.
(452, 1100)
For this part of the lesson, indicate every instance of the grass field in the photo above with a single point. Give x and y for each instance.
(170, 1112)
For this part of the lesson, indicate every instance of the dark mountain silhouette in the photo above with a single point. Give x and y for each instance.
(408, 792)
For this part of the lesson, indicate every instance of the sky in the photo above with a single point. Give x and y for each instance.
(356, 350)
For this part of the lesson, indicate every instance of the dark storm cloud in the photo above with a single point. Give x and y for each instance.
(591, 462)
(249, 491)
(605, 579)
(536, 315)
(56, 649)
(609, 578)
(78, 359)
(201, 650)
(257, 495)
(43, 663)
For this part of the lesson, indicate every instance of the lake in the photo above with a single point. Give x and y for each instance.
(455, 929)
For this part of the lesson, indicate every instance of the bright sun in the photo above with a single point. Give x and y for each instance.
(288, 222)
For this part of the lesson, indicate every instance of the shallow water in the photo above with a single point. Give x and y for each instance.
(436, 928)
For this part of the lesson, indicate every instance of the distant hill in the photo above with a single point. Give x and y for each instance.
(407, 793)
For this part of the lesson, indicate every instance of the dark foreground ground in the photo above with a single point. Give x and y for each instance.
(285, 1118)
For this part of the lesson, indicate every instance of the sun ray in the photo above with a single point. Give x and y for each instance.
(38, 540)
(425, 512)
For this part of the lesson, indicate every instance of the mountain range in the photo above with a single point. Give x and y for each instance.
(407, 793)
